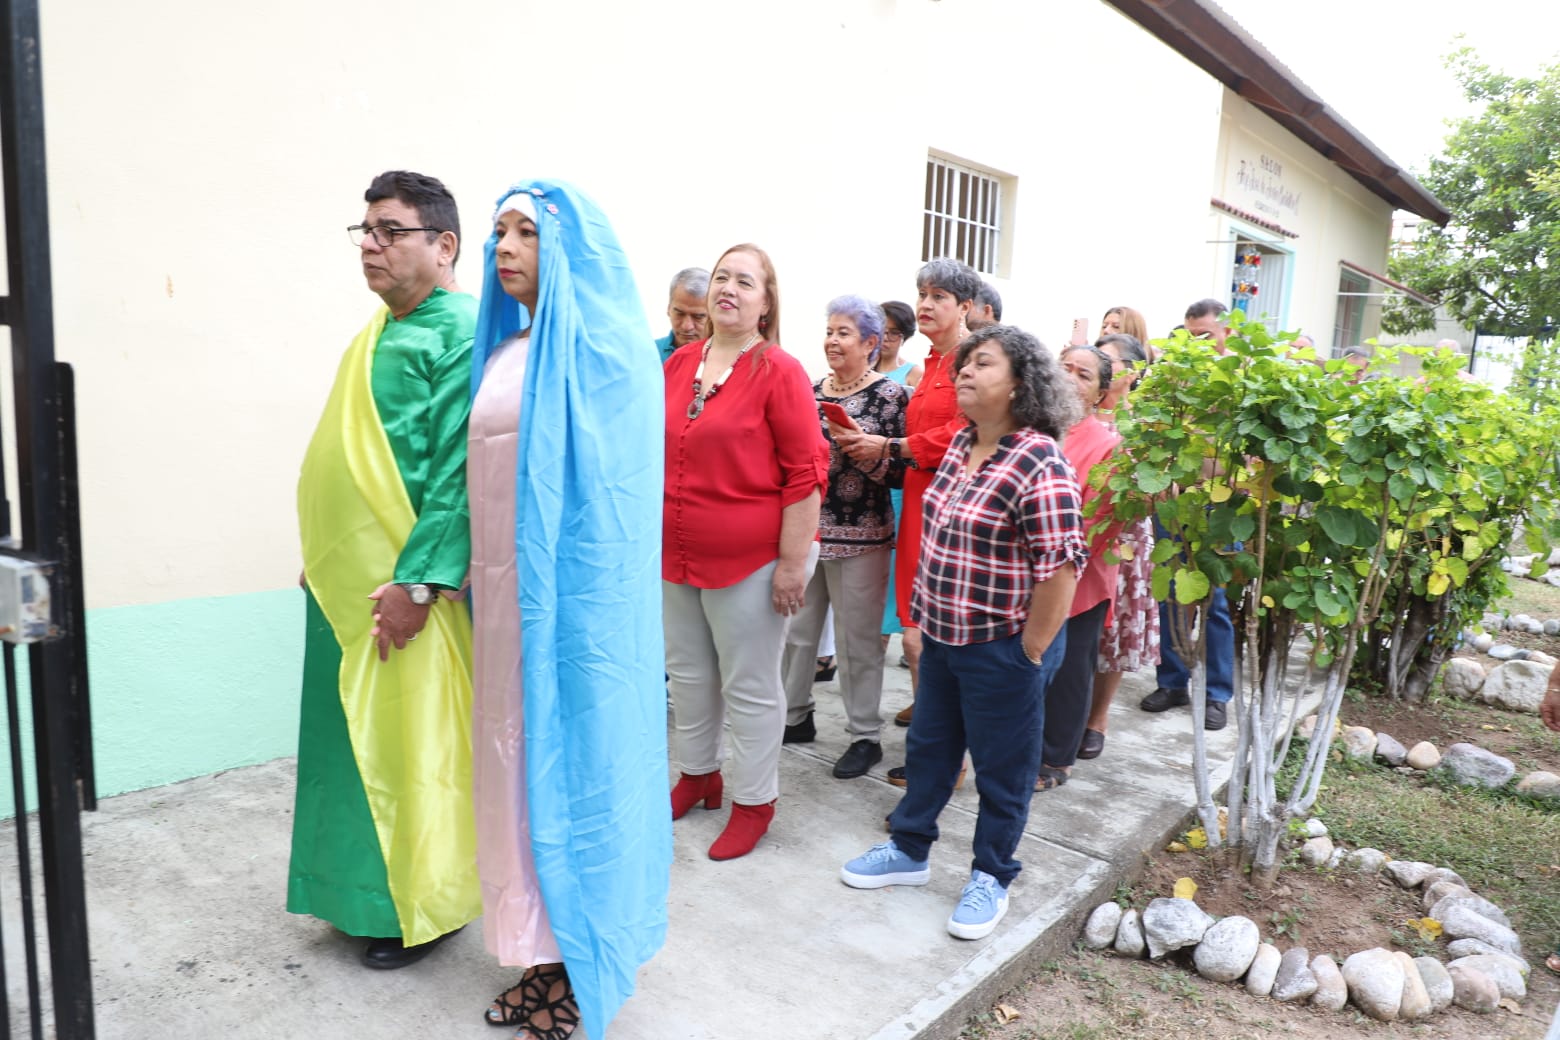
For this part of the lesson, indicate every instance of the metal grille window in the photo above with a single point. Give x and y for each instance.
(963, 217)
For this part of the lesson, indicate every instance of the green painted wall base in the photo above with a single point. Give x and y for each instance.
(186, 688)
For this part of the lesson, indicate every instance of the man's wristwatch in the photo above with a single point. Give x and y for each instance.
(421, 595)
(895, 447)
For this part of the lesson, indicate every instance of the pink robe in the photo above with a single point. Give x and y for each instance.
(514, 922)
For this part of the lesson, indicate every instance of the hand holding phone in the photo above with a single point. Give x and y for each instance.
(1080, 332)
(837, 415)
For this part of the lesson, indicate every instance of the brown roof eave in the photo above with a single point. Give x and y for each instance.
(1206, 36)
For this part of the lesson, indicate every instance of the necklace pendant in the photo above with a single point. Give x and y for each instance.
(695, 407)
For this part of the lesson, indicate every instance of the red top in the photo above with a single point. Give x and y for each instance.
(1088, 443)
(756, 449)
(930, 424)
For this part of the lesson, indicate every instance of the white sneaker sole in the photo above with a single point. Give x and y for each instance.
(978, 931)
(903, 877)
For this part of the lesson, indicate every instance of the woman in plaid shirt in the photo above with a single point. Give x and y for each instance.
(1002, 546)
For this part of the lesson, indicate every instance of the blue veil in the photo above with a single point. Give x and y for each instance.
(588, 548)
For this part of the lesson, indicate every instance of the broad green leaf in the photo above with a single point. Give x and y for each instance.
(1191, 587)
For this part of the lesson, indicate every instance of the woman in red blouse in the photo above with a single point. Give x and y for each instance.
(945, 292)
(746, 463)
(1068, 696)
(1001, 551)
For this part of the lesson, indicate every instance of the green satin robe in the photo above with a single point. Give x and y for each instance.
(421, 384)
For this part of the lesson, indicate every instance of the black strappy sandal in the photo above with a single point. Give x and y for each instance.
(561, 1012)
(532, 987)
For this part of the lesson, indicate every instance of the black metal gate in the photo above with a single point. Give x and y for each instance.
(41, 603)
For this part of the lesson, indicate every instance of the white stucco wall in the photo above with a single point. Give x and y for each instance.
(1335, 217)
(205, 159)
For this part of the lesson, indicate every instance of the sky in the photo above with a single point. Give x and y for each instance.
(1379, 63)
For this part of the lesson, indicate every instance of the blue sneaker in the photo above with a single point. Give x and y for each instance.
(884, 865)
(981, 906)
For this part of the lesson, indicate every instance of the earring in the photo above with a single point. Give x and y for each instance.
(1012, 394)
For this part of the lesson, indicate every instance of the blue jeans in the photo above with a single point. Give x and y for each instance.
(1173, 673)
(990, 698)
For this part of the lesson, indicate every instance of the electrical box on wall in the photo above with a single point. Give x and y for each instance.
(24, 599)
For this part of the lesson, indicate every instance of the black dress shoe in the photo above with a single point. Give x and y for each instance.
(803, 732)
(390, 953)
(1093, 743)
(861, 756)
(1162, 700)
(1216, 715)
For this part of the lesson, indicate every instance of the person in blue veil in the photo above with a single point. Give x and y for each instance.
(569, 727)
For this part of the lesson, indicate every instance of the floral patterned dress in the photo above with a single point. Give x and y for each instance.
(1131, 641)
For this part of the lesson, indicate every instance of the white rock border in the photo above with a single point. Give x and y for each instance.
(1387, 985)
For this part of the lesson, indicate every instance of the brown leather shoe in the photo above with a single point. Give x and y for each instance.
(903, 718)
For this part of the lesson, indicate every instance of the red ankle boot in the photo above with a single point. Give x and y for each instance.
(747, 824)
(690, 790)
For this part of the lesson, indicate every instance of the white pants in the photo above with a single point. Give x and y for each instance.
(723, 664)
(853, 590)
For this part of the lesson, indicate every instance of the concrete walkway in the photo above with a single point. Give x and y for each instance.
(190, 939)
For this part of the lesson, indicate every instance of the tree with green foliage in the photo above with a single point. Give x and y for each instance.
(1307, 495)
(1496, 265)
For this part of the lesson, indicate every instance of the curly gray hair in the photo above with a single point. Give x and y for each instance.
(1044, 398)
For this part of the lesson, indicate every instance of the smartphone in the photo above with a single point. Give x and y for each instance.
(837, 415)
(1080, 332)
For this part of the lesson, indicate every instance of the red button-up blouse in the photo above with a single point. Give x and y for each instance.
(756, 449)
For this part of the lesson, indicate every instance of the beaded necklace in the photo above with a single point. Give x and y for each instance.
(696, 406)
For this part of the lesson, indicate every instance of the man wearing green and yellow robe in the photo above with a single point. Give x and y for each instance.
(383, 833)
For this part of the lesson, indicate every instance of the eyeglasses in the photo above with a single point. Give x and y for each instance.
(384, 234)
(894, 334)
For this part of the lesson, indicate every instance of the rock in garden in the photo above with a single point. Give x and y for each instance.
(1435, 891)
(1389, 750)
(1462, 677)
(1482, 642)
(1522, 654)
(1533, 627)
(1295, 980)
(1471, 764)
(1518, 621)
(1129, 935)
(1502, 970)
(1424, 755)
(1553, 578)
(1408, 873)
(1100, 931)
(1335, 859)
(1227, 949)
(1492, 622)
(1501, 652)
(1472, 990)
(1331, 991)
(1375, 979)
(1478, 904)
(1416, 999)
(1263, 970)
(1517, 685)
(1540, 658)
(1317, 851)
(1552, 627)
(1460, 922)
(1438, 984)
(1171, 924)
(1366, 861)
(1306, 728)
(1470, 947)
(1539, 784)
(1315, 828)
(1359, 742)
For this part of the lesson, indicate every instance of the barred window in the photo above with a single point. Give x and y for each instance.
(964, 215)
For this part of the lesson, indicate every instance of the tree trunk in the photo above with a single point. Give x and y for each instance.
(1266, 833)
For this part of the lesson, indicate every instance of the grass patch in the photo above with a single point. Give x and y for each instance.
(1505, 845)
(1534, 598)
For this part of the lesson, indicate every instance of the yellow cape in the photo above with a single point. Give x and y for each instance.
(409, 718)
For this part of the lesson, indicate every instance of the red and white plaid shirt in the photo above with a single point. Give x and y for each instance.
(987, 539)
